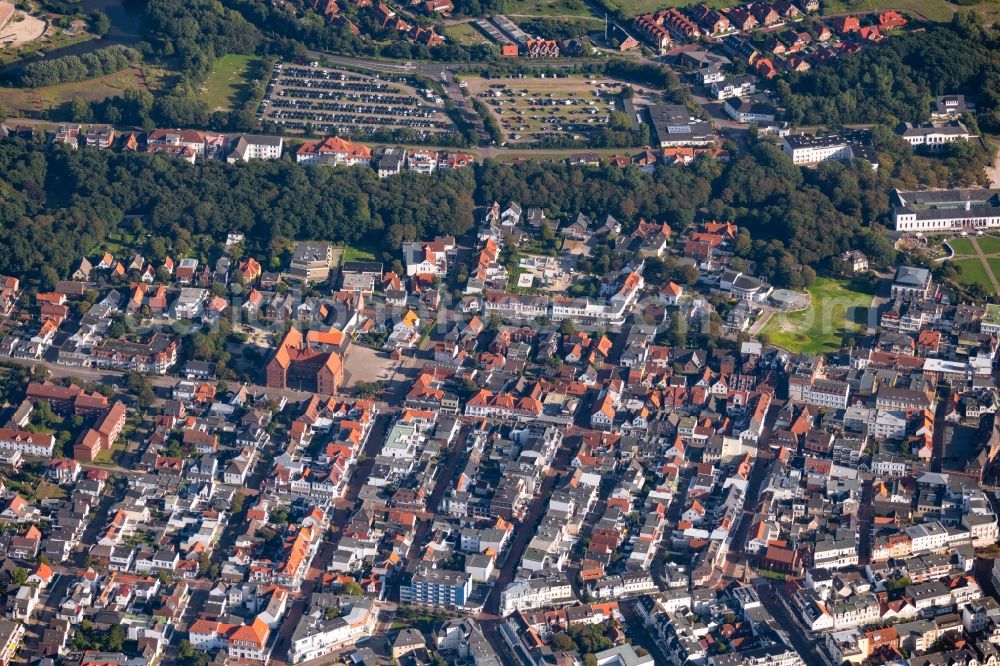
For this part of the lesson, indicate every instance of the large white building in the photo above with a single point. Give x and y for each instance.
(933, 136)
(28, 443)
(530, 593)
(927, 537)
(805, 149)
(316, 637)
(255, 147)
(739, 86)
(946, 210)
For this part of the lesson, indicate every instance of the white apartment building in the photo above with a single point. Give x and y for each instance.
(888, 424)
(316, 637)
(927, 537)
(934, 136)
(28, 443)
(946, 210)
(255, 147)
(828, 393)
(740, 86)
(530, 593)
(835, 554)
(809, 149)
(626, 585)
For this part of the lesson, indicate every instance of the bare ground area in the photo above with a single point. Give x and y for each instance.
(364, 364)
(22, 29)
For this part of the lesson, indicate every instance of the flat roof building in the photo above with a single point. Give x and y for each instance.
(675, 126)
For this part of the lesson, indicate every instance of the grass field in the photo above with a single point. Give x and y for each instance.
(994, 263)
(962, 247)
(972, 271)
(352, 253)
(988, 244)
(465, 34)
(636, 7)
(548, 8)
(933, 10)
(836, 308)
(226, 88)
(27, 102)
(967, 260)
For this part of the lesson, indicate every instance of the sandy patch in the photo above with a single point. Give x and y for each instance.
(22, 29)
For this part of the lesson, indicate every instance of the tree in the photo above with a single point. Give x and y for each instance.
(563, 642)
(353, 589)
(239, 499)
(116, 638)
(204, 562)
(567, 327)
(99, 23)
(20, 576)
(590, 638)
(80, 110)
(138, 386)
(678, 330)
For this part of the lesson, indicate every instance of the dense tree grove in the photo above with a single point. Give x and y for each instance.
(77, 68)
(44, 231)
(896, 81)
(794, 216)
(561, 28)
(196, 31)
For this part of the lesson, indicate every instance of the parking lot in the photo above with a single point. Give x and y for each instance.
(333, 101)
(533, 108)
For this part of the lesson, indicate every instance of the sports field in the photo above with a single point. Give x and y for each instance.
(836, 308)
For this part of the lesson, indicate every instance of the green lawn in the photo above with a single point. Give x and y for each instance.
(973, 271)
(989, 244)
(465, 34)
(228, 86)
(352, 253)
(548, 8)
(47, 490)
(994, 263)
(933, 10)
(836, 308)
(636, 7)
(962, 247)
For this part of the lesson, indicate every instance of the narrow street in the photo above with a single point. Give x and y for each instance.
(639, 633)
(445, 475)
(758, 473)
(525, 529)
(793, 631)
(865, 523)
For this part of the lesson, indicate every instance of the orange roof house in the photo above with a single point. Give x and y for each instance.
(296, 364)
(250, 269)
(891, 19)
(846, 24)
(334, 150)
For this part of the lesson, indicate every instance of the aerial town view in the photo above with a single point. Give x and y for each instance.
(499, 332)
